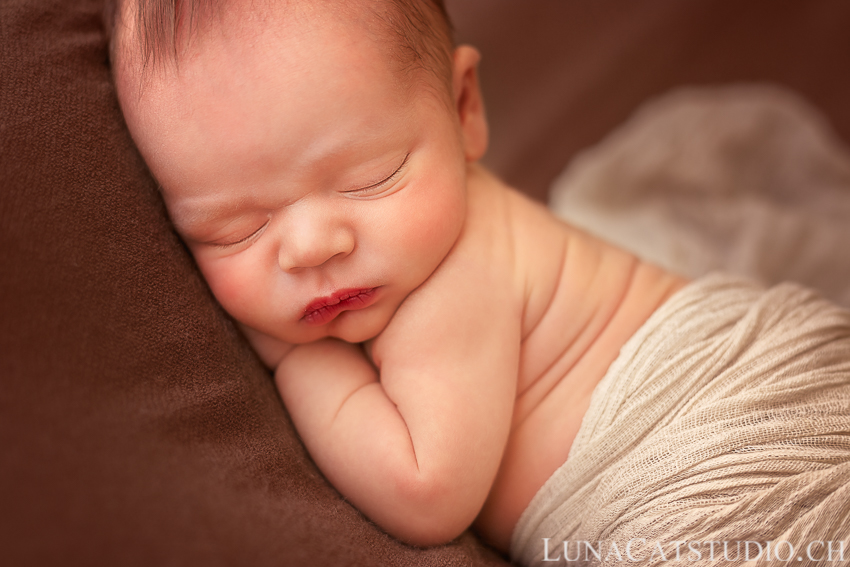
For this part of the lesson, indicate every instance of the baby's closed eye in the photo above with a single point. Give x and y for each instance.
(379, 187)
(225, 233)
(237, 240)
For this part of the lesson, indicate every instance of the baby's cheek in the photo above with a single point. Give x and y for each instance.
(231, 284)
(440, 223)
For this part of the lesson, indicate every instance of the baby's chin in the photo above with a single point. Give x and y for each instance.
(355, 327)
(347, 327)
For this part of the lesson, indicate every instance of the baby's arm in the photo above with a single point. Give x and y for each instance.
(416, 450)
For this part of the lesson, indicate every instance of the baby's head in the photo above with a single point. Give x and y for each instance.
(312, 153)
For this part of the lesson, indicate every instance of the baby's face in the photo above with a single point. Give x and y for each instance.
(315, 187)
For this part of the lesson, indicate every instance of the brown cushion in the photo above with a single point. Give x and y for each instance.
(136, 426)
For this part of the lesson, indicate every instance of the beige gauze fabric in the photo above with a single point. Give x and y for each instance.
(725, 418)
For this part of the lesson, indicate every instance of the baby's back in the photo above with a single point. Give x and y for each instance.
(581, 300)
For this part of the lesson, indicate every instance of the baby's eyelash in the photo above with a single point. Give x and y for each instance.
(254, 234)
(392, 176)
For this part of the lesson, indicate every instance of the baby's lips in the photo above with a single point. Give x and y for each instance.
(325, 309)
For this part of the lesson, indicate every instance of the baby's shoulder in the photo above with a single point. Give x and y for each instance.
(522, 242)
(501, 217)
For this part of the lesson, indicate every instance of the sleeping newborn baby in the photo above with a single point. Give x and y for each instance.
(451, 354)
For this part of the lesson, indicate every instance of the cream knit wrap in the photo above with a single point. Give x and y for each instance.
(725, 418)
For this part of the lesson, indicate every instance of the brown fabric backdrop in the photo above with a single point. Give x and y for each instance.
(136, 427)
(559, 74)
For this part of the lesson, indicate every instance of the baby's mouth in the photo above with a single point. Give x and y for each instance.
(325, 309)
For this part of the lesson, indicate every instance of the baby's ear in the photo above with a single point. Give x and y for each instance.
(468, 102)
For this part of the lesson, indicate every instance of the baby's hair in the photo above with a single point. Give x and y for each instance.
(418, 32)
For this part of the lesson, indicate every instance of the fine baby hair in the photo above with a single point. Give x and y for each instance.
(417, 34)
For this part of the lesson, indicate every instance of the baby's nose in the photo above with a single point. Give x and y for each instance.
(311, 240)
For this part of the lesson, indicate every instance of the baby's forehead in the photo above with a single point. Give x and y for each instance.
(175, 31)
(412, 35)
